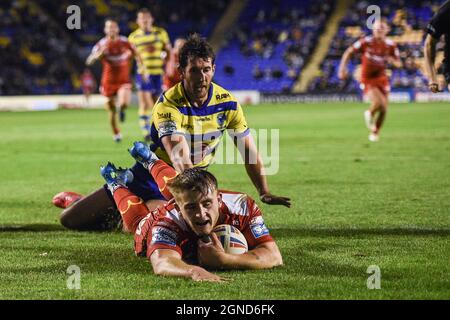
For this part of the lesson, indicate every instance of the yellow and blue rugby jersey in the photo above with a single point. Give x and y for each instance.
(150, 45)
(202, 126)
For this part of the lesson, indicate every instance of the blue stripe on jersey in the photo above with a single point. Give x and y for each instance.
(155, 138)
(209, 110)
(239, 135)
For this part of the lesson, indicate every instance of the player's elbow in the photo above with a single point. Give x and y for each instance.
(277, 259)
(347, 54)
(157, 263)
(272, 255)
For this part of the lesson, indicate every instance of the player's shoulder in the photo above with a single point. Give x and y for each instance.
(122, 38)
(238, 203)
(158, 29)
(362, 40)
(390, 42)
(221, 95)
(134, 34)
(101, 42)
(173, 97)
(367, 39)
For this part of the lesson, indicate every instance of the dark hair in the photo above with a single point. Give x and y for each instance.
(144, 11)
(196, 47)
(193, 179)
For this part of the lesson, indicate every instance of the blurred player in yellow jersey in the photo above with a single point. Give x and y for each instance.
(153, 44)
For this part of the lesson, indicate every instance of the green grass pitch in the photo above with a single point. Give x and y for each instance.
(355, 204)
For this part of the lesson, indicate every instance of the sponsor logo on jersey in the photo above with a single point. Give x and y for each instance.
(258, 227)
(164, 236)
(165, 115)
(167, 127)
(222, 96)
(204, 119)
(221, 118)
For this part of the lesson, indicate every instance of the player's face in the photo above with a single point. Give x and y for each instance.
(111, 29)
(197, 77)
(200, 211)
(144, 21)
(380, 29)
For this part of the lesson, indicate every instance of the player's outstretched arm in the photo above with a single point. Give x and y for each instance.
(264, 256)
(430, 54)
(178, 150)
(94, 56)
(342, 71)
(255, 170)
(167, 262)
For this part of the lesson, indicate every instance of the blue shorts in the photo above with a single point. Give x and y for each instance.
(143, 185)
(154, 84)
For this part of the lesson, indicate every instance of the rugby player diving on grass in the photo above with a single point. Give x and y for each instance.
(188, 122)
(177, 238)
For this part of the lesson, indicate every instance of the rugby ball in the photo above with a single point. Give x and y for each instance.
(233, 241)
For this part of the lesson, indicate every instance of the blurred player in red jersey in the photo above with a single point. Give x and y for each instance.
(177, 238)
(115, 53)
(88, 84)
(172, 74)
(377, 52)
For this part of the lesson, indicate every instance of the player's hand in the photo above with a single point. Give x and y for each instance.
(143, 73)
(200, 274)
(145, 76)
(434, 87)
(211, 254)
(271, 199)
(342, 74)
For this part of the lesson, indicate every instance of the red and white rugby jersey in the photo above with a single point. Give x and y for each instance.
(116, 60)
(170, 231)
(375, 55)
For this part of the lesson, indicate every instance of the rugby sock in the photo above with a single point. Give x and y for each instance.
(144, 123)
(131, 208)
(379, 122)
(162, 173)
(122, 114)
(112, 117)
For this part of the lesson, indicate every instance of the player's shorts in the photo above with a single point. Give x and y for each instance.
(154, 84)
(110, 90)
(381, 83)
(143, 185)
(88, 89)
